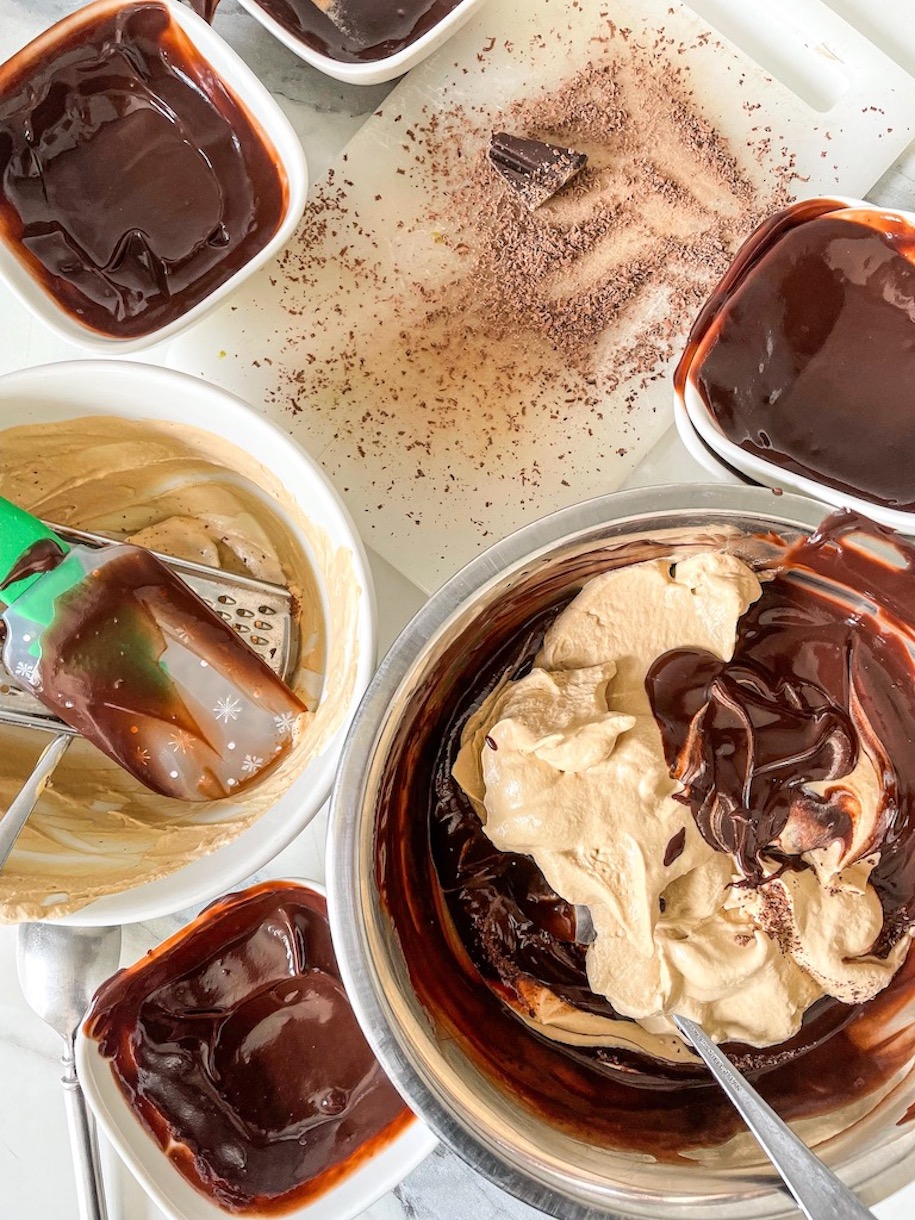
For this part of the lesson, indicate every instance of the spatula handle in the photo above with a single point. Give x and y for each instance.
(16, 816)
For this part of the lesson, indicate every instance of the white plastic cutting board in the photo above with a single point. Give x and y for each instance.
(842, 108)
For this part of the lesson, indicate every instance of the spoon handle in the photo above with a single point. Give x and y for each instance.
(90, 1197)
(816, 1189)
(24, 802)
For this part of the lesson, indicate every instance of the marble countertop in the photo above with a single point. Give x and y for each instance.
(36, 1181)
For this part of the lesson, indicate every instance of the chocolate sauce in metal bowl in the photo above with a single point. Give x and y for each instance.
(438, 932)
(133, 182)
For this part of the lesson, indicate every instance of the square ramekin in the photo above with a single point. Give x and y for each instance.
(705, 440)
(174, 1195)
(267, 118)
(376, 71)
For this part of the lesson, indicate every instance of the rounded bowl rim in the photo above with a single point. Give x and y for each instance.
(158, 384)
(344, 870)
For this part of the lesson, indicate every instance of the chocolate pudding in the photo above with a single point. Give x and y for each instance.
(805, 353)
(236, 1047)
(763, 778)
(356, 31)
(133, 183)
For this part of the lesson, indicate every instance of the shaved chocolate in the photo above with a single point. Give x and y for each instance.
(534, 170)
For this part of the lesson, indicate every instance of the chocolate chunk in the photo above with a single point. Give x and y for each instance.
(534, 170)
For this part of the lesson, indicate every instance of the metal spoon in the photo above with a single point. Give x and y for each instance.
(816, 1189)
(59, 970)
(12, 822)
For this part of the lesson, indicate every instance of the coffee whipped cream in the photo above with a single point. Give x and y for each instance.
(568, 766)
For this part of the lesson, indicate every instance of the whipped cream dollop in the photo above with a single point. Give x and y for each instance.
(567, 765)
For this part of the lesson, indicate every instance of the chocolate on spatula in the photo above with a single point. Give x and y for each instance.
(120, 648)
(535, 171)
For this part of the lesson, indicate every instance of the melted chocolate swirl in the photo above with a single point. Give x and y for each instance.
(745, 737)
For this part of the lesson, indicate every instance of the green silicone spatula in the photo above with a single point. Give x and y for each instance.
(118, 647)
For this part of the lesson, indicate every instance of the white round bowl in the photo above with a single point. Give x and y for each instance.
(139, 391)
(267, 116)
(174, 1195)
(375, 71)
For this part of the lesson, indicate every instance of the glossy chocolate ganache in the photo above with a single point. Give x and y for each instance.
(351, 31)
(236, 1047)
(132, 181)
(805, 353)
(772, 758)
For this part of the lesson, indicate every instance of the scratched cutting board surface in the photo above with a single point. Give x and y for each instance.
(442, 422)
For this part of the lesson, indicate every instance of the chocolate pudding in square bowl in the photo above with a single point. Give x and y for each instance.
(647, 755)
(360, 42)
(145, 172)
(798, 368)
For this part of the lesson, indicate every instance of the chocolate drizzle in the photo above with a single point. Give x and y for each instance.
(675, 848)
(745, 737)
(237, 1049)
(813, 680)
(136, 662)
(41, 556)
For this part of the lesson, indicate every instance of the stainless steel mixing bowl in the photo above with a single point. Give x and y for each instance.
(478, 1116)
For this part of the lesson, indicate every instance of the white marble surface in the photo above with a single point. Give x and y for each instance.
(36, 1181)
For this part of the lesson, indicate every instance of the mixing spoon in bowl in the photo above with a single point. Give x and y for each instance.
(816, 1189)
(60, 968)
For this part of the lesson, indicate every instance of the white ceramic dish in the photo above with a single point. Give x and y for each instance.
(369, 72)
(700, 431)
(180, 1201)
(139, 391)
(698, 450)
(267, 116)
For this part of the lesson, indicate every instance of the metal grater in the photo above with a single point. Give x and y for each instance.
(261, 613)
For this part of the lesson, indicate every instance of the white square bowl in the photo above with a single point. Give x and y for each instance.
(376, 71)
(267, 117)
(702, 435)
(174, 1195)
